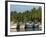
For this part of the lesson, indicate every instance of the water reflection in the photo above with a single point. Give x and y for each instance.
(27, 27)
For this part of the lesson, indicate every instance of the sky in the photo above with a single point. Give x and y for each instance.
(21, 8)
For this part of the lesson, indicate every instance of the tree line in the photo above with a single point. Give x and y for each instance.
(28, 15)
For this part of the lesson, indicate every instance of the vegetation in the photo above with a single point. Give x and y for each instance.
(32, 15)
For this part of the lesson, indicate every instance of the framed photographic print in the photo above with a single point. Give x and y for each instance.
(24, 18)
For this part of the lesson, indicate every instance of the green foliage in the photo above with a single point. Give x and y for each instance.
(34, 14)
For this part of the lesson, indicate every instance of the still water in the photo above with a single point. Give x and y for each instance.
(23, 29)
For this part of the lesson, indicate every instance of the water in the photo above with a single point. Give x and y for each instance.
(29, 27)
(23, 30)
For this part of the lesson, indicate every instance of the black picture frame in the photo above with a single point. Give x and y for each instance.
(6, 18)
